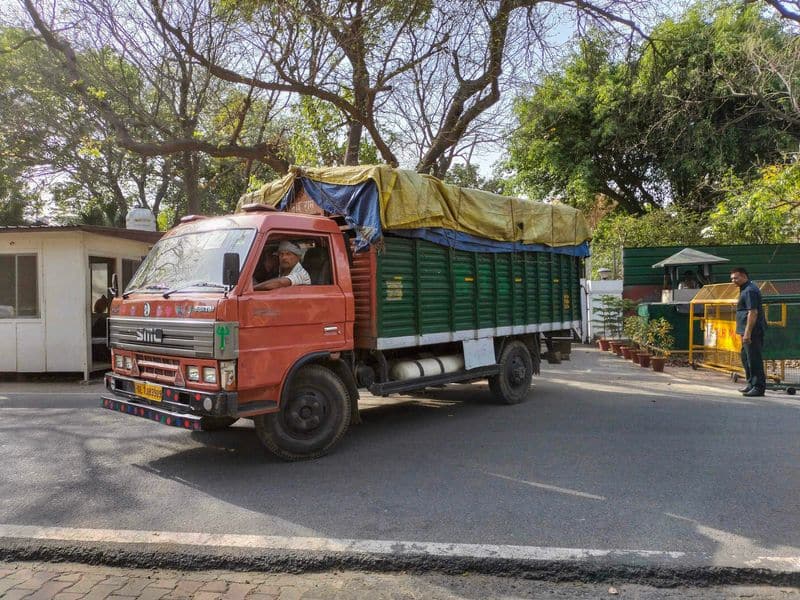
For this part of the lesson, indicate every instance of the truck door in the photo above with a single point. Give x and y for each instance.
(278, 327)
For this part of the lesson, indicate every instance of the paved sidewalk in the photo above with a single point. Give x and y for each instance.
(66, 581)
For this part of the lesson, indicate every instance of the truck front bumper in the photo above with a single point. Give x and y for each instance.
(168, 405)
(152, 413)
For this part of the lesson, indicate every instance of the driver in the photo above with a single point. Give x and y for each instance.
(290, 271)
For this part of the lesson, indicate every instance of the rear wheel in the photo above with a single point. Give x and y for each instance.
(216, 423)
(313, 417)
(511, 385)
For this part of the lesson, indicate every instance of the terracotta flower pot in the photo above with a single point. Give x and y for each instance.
(658, 363)
(626, 352)
(635, 357)
(644, 359)
(604, 344)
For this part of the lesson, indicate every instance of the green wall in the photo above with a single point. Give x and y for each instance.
(769, 261)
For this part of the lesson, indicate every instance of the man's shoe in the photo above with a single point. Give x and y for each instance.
(753, 393)
(744, 390)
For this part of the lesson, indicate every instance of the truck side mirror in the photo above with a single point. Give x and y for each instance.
(113, 290)
(230, 269)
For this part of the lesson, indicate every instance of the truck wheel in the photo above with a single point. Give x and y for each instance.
(313, 417)
(511, 385)
(216, 423)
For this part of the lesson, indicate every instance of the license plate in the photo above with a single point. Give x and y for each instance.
(148, 390)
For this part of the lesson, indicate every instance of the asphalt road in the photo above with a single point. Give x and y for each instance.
(602, 455)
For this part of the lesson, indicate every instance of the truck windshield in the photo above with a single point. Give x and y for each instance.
(190, 261)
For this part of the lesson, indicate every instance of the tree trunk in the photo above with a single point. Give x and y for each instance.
(190, 170)
(354, 133)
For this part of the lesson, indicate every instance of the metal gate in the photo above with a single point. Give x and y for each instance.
(720, 347)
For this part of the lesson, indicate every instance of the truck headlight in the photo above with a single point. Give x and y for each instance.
(227, 374)
(118, 361)
(193, 373)
(128, 362)
(209, 375)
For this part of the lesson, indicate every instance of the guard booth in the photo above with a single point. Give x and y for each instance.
(54, 298)
(684, 275)
(714, 313)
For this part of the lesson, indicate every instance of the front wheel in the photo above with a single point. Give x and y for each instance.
(313, 416)
(511, 385)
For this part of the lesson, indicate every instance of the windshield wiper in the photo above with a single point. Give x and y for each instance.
(191, 284)
(147, 288)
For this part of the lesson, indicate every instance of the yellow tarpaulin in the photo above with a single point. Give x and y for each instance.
(410, 200)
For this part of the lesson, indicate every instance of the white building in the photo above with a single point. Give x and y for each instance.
(53, 289)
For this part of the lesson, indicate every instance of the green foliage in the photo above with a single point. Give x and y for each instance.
(50, 140)
(166, 219)
(226, 179)
(635, 329)
(611, 314)
(657, 227)
(661, 126)
(317, 136)
(659, 336)
(467, 176)
(765, 210)
(570, 122)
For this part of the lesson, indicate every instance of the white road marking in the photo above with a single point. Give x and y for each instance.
(787, 563)
(551, 488)
(313, 544)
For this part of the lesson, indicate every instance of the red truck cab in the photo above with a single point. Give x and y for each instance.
(193, 350)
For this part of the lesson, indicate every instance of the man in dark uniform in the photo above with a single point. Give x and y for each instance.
(751, 324)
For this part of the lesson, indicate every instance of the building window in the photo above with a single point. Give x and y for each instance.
(19, 289)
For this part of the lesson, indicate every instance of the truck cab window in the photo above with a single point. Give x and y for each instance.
(317, 262)
(313, 257)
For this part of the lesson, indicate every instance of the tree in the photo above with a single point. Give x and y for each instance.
(55, 144)
(656, 227)
(661, 126)
(360, 58)
(580, 134)
(702, 127)
(765, 210)
(153, 99)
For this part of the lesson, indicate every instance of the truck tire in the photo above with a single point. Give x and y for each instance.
(216, 423)
(511, 385)
(313, 416)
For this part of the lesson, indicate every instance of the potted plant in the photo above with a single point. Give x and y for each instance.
(611, 314)
(659, 334)
(635, 328)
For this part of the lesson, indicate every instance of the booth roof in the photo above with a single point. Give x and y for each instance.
(150, 237)
(690, 256)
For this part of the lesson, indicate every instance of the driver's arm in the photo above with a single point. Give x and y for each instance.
(272, 284)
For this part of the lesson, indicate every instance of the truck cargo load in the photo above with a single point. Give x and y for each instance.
(379, 198)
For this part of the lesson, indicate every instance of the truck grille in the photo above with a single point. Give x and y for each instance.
(175, 337)
(157, 368)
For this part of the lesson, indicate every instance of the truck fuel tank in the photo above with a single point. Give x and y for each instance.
(425, 367)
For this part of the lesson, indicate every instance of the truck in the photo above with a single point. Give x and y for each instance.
(389, 310)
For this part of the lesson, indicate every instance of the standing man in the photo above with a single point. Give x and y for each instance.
(751, 325)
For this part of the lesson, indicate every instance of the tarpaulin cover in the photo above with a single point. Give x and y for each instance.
(377, 198)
